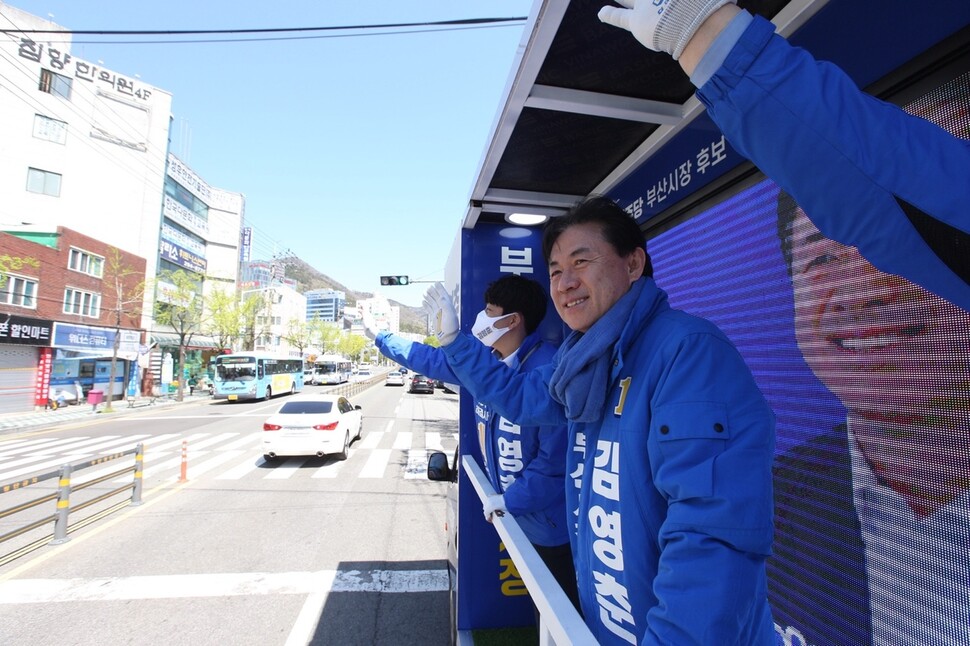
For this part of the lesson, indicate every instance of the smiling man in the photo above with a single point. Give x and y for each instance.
(670, 442)
(891, 485)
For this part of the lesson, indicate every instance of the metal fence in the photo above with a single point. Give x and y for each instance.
(61, 496)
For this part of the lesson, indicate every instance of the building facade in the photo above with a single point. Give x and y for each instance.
(85, 146)
(199, 238)
(80, 145)
(325, 304)
(284, 309)
(70, 306)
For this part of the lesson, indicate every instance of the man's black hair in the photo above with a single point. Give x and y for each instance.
(618, 227)
(515, 293)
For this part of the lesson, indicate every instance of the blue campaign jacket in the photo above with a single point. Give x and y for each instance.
(670, 491)
(866, 173)
(527, 463)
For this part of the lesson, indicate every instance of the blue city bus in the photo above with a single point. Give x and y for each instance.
(255, 375)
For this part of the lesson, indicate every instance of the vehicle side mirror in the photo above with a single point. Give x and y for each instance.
(438, 469)
(356, 407)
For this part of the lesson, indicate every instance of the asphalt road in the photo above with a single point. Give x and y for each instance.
(242, 552)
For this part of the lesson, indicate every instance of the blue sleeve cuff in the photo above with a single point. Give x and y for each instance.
(718, 51)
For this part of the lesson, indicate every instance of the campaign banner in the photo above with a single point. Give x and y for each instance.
(491, 593)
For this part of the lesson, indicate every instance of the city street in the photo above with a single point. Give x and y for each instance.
(297, 551)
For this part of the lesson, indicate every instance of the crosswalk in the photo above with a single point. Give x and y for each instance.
(221, 456)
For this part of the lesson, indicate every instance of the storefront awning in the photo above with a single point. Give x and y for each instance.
(197, 341)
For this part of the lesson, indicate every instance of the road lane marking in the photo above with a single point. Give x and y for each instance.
(402, 441)
(329, 470)
(376, 463)
(396, 581)
(197, 469)
(181, 586)
(286, 469)
(370, 440)
(241, 469)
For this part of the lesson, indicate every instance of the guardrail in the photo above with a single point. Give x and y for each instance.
(60, 517)
(559, 623)
(353, 387)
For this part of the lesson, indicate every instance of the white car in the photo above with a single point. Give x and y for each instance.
(322, 425)
(394, 378)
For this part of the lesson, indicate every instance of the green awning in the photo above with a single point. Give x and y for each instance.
(196, 341)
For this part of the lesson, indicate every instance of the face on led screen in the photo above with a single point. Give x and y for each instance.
(893, 353)
(869, 378)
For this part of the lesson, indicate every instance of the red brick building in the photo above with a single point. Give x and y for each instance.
(63, 296)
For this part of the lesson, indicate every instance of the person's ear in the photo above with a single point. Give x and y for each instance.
(636, 262)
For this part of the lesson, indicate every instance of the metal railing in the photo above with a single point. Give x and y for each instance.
(559, 623)
(62, 495)
(354, 387)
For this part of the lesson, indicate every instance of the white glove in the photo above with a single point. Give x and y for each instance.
(662, 25)
(494, 504)
(444, 319)
(370, 328)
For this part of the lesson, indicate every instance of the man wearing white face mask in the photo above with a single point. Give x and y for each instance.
(526, 464)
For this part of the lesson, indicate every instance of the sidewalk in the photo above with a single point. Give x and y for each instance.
(34, 420)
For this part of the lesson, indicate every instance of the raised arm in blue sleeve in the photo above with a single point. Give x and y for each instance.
(419, 357)
(867, 174)
(523, 396)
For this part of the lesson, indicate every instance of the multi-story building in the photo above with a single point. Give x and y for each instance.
(284, 307)
(325, 304)
(200, 235)
(80, 145)
(70, 305)
(87, 147)
(258, 274)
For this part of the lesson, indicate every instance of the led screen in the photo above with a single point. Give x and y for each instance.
(868, 377)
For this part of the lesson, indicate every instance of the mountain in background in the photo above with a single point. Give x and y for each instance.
(307, 278)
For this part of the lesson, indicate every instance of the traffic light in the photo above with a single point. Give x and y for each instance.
(394, 280)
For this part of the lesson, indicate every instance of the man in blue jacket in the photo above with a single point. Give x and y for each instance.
(908, 217)
(670, 442)
(525, 464)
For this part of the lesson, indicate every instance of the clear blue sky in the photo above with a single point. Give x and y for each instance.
(355, 153)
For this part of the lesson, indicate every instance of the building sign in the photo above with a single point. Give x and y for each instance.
(178, 213)
(187, 178)
(83, 338)
(63, 63)
(181, 256)
(245, 244)
(42, 381)
(180, 238)
(694, 158)
(20, 330)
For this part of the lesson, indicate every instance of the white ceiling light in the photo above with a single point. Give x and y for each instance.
(526, 219)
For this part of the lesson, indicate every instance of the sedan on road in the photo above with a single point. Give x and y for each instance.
(394, 378)
(323, 425)
(421, 384)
